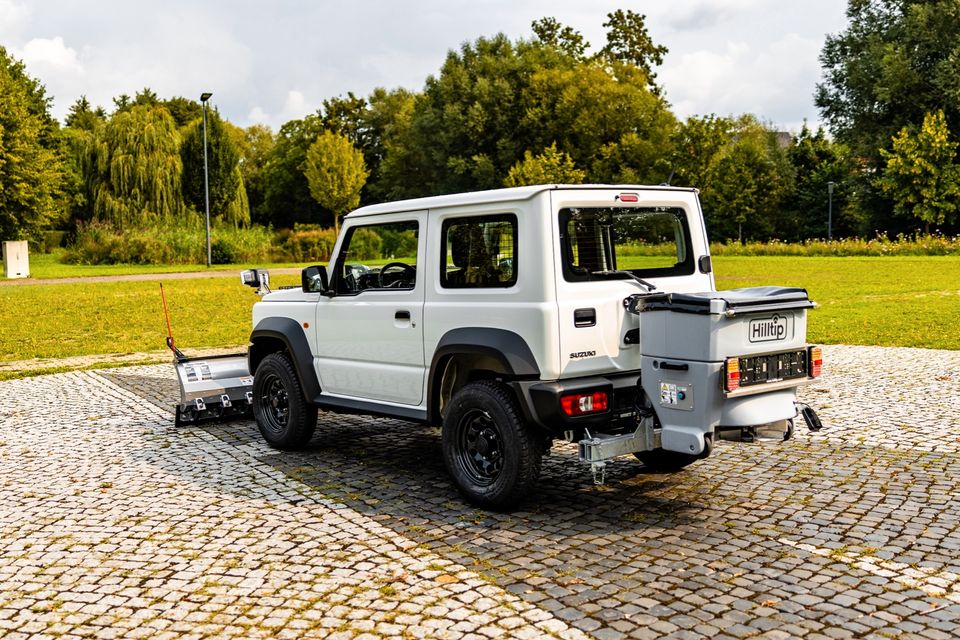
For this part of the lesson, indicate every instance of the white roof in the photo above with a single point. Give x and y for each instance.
(494, 195)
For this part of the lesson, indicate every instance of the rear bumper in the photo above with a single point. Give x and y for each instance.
(541, 402)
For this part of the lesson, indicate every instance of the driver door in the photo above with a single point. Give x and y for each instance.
(369, 336)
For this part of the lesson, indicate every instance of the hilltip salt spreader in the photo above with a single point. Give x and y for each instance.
(213, 387)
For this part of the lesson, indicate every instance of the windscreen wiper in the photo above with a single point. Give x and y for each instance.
(616, 272)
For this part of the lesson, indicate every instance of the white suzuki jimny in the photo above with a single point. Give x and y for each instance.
(515, 317)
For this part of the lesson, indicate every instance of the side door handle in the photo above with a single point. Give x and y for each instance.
(402, 315)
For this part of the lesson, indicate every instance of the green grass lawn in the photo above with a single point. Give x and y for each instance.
(48, 265)
(60, 320)
(890, 301)
(903, 301)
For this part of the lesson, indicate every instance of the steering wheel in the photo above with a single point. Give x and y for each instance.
(409, 273)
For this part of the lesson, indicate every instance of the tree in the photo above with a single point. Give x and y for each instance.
(183, 110)
(121, 103)
(697, 145)
(83, 116)
(346, 116)
(896, 61)
(287, 198)
(549, 167)
(615, 127)
(387, 121)
(368, 123)
(31, 172)
(138, 169)
(336, 172)
(466, 129)
(78, 151)
(225, 181)
(817, 161)
(629, 43)
(750, 180)
(551, 33)
(921, 174)
(258, 141)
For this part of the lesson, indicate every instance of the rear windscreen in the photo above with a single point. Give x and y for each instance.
(601, 243)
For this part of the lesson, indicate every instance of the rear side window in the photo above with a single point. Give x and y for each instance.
(480, 252)
(602, 243)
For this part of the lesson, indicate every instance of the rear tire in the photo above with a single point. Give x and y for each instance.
(490, 451)
(285, 418)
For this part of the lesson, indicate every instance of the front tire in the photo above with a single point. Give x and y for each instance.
(285, 419)
(488, 448)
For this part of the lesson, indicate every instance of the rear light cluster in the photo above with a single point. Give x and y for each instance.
(731, 374)
(785, 368)
(580, 404)
(815, 358)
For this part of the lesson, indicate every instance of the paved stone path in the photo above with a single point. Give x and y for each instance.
(115, 524)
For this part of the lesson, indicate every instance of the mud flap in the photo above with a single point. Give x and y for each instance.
(810, 417)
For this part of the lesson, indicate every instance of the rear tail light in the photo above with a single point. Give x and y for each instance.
(731, 374)
(815, 358)
(579, 404)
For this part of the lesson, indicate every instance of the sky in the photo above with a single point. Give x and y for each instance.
(270, 62)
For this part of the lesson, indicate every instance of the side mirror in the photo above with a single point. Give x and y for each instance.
(705, 264)
(314, 279)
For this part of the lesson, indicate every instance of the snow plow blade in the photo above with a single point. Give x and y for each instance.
(213, 388)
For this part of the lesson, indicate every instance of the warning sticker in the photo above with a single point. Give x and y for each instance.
(668, 393)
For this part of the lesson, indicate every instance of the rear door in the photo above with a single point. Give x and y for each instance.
(370, 335)
(656, 235)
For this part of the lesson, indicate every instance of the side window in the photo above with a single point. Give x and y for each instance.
(378, 256)
(480, 252)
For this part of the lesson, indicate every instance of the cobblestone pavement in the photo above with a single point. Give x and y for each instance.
(115, 524)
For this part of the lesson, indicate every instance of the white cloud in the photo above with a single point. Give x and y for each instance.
(13, 15)
(258, 116)
(51, 54)
(294, 107)
(741, 78)
(708, 13)
(251, 54)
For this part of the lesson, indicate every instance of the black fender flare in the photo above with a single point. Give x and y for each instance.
(263, 340)
(509, 352)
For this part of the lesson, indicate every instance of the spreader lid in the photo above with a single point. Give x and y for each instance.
(728, 302)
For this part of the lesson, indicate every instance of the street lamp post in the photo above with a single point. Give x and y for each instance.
(830, 186)
(206, 175)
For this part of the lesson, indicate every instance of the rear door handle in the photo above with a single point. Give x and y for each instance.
(402, 315)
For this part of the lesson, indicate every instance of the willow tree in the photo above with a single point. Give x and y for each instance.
(138, 169)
